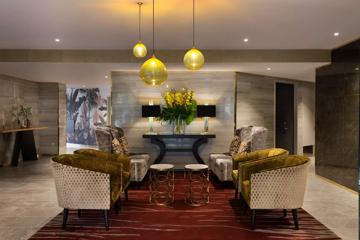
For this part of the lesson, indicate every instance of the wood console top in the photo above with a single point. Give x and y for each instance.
(22, 129)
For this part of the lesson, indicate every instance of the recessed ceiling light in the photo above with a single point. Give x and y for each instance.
(336, 34)
(357, 69)
(106, 76)
(57, 39)
(268, 68)
(245, 39)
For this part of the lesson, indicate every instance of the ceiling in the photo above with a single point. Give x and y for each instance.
(112, 24)
(220, 24)
(93, 74)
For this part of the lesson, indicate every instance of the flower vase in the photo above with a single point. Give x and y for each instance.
(179, 126)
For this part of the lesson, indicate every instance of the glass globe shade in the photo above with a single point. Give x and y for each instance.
(153, 72)
(139, 50)
(193, 59)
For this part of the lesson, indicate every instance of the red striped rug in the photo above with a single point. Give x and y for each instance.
(223, 218)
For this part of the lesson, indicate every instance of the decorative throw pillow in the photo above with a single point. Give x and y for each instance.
(245, 147)
(116, 147)
(234, 145)
(124, 145)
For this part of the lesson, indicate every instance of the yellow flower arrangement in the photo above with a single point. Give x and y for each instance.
(180, 106)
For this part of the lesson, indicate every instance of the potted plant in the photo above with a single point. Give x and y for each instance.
(26, 114)
(179, 109)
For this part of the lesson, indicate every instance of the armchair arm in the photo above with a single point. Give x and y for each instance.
(270, 163)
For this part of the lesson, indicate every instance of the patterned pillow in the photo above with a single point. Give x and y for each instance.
(124, 145)
(245, 147)
(234, 145)
(116, 147)
(120, 146)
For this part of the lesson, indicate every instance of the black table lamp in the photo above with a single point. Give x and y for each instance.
(206, 111)
(150, 111)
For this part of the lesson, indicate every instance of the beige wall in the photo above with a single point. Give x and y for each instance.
(255, 105)
(306, 115)
(129, 93)
(43, 98)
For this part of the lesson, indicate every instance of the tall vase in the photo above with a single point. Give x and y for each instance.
(179, 126)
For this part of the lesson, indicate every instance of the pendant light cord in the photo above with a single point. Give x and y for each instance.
(193, 23)
(153, 42)
(140, 3)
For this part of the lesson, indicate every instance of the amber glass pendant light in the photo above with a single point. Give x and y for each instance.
(193, 58)
(139, 49)
(153, 71)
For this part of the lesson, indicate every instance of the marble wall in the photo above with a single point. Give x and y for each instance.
(44, 100)
(337, 116)
(337, 127)
(129, 93)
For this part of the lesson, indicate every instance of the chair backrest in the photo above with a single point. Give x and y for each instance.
(81, 189)
(282, 188)
(104, 136)
(257, 136)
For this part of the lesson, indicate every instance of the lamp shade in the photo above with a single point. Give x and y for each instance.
(150, 111)
(206, 111)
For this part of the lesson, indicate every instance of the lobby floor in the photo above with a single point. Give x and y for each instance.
(28, 201)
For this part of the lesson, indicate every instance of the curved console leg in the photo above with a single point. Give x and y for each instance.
(162, 148)
(195, 148)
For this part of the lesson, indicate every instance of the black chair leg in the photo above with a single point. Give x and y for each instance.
(65, 217)
(253, 219)
(126, 195)
(106, 217)
(79, 213)
(295, 216)
(117, 206)
(284, 213)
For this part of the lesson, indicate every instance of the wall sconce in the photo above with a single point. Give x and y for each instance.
(151, 111)
(206, 111)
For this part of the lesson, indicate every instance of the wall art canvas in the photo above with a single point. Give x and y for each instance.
(86, 109)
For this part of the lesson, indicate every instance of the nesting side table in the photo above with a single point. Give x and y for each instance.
(161, 184)
(197, 192)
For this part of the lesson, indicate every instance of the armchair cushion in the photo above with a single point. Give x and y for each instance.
(256, 155)
(106, 156)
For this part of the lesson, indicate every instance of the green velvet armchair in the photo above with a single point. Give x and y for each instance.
(88, 182)
(276, 183)
(241, 158)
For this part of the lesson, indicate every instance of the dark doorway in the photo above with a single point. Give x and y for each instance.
(285, 116)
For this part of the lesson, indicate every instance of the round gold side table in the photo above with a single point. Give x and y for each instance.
(161, 184)
(197, 193)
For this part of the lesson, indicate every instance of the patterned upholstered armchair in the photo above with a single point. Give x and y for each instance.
(83, 182)
(259, 155)
(221, 163)
(277, 183)
(139, 162)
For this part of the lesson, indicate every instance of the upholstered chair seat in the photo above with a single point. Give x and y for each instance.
(274, 183)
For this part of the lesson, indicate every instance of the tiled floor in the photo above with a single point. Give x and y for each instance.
(28, 201)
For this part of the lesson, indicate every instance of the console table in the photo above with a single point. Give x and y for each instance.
(24, 142)
(158, 139)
